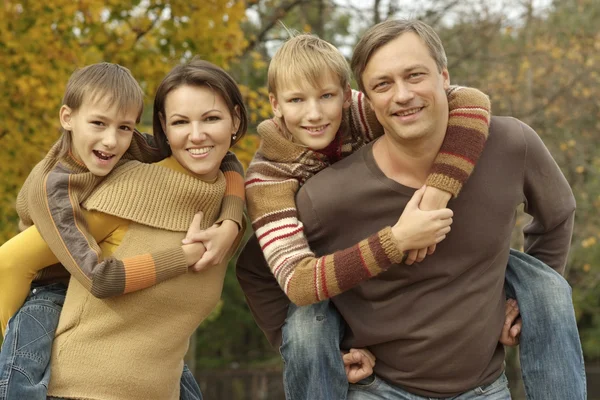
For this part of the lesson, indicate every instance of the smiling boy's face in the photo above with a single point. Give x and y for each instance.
(312, 114)
(101, 133)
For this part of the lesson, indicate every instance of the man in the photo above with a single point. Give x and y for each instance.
(433, 328)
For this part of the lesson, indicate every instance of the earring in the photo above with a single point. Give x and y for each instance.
(234, 136)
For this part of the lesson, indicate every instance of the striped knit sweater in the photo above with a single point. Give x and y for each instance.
(280, 167)
(51, 198)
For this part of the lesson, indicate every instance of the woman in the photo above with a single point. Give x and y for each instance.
(132, 346)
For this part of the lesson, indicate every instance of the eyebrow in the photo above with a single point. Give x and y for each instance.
(408, 69)
(103, 117)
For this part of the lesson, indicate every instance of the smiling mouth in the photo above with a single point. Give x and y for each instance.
(406, 113)
(313, 130)
(103, 156)
(199, 151)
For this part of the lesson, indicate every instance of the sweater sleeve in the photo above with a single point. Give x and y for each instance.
(234, 200)
(60, 221)
(271, 189)
(23, 256)
(467, 132)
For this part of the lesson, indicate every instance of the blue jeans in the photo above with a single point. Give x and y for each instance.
(374, 388)
(550, 350)
(310, 348)
(25, 354)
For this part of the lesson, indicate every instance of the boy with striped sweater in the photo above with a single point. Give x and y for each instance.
(318, 121)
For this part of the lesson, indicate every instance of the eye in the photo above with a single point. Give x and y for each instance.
(178, 122)
(415, 75)
(380, 85)
(126, 128)
(327, 95)
(97, 123)
(213, 118)
(295, 100)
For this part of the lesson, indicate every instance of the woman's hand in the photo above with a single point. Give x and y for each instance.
(217, 239)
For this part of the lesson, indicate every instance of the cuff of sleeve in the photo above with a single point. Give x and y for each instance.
(232, 209)
(391, 246)
(169, 263)
(444, 182)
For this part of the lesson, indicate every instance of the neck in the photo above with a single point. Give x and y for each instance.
(407, 162)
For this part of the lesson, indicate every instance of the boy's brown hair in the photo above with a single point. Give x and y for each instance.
(102, 81)
(305, 58)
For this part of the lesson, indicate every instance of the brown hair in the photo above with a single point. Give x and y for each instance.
(198, 73)
(384, 32)
(103, 81)
(306, 57)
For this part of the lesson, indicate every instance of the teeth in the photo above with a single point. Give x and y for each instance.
(408, 112)
(202, 150)
(315, 129)
(102, 155)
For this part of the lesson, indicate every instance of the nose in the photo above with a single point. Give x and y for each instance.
(314, 112)
(403, 93)
(109, 139)
(197, 134)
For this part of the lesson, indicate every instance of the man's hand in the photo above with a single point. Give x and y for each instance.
(433, 199)
(359, 364)
(511, 330)
(217, 239)
(418, 229)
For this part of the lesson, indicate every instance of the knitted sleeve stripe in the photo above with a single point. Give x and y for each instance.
(234, 200)
(467, 132)
(67, 235)
(271, 188)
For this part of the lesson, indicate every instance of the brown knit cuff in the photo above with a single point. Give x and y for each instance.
(444, 182)
(232, 208)
(391, 246)
(169, 263)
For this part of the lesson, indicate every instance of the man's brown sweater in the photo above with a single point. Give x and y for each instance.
(434, 329)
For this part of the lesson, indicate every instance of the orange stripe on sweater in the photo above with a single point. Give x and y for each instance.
(140, 272)
(466, 115)
(234, 185)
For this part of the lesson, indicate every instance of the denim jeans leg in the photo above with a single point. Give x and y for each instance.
(313, 366)
(550, 351)
(189, 387)
(25, 354)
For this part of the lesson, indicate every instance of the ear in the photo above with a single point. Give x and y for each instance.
(347, 96)
(275, 105)
(236, 119)
(446, 77)
(65, 115)
(162, 122)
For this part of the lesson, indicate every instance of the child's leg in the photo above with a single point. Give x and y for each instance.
(550, 350)
(313, 366)
(25, 354)
(189, 389)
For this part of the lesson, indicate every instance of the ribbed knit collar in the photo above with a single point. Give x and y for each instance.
(163, 195)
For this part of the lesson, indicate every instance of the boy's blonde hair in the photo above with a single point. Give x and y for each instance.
(305, 58)
(103, 81)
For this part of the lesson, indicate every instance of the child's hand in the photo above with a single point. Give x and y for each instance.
(358, 364)
(417, 229)
(433, 199)
(217, 239)
(511, 330)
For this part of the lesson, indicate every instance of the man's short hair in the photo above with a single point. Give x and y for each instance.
(306, 58)
(384, 32)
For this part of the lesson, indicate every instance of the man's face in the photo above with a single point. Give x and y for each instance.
(312, 114)
(406, 90)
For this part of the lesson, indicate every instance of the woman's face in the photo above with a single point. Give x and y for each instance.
(199, 128)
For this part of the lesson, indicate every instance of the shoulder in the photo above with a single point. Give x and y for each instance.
(510, 134)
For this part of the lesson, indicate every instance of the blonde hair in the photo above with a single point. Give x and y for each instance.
(305, 58)
(104, 81)
(384, 32)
